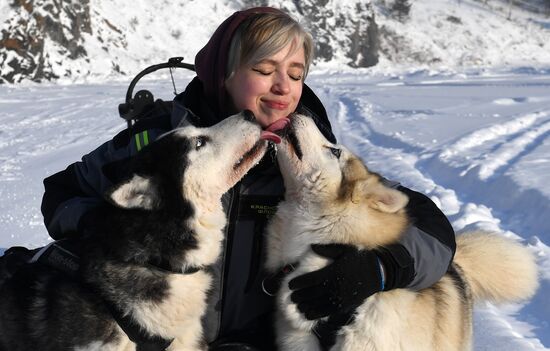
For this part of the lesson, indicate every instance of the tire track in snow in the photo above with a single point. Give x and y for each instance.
(491, 133)
(508, 154)
(506, 142)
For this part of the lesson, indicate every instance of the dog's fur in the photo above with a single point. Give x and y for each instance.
(332, 199)
(165, 211)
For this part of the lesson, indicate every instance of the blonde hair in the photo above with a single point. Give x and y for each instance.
(265, 34)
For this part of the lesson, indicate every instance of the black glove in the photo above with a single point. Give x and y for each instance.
(342, 286)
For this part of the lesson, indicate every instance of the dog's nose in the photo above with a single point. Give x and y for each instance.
(249, 115)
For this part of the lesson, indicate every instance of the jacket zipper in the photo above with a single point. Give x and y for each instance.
(227, 250)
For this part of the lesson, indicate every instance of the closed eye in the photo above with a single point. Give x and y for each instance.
(296, 73)
(265, 72)
(262, 72)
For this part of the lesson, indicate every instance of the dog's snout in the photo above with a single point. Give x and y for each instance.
(249, 115)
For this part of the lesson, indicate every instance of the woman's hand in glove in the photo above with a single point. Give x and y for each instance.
(341, 286)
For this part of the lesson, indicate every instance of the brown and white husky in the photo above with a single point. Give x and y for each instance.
(331, 197)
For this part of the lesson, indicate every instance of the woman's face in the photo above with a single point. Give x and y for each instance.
(270, 88)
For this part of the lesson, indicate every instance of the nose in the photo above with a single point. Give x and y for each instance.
(281, 85)
(249, 116)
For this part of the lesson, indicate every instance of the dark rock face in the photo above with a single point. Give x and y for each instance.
(37, 25)
(42, 36)
(365, 42)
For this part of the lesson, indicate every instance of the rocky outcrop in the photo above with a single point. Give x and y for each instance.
(39, 31)
(50, 39)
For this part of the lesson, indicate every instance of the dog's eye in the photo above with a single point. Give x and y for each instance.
(336, 152)
(200, 141)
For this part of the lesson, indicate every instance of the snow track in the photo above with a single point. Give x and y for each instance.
(499, 146)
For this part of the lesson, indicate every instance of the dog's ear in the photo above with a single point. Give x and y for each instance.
(138, 192)
(134, 184)
(378, 196)
(388, 200)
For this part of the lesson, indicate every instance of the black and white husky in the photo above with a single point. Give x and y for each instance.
(146, 257)
(331, 197)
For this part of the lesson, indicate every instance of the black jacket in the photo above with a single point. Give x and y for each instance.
(238, 308)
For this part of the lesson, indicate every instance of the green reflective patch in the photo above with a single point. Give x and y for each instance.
(142, 140)
(138, 142)
(145, 138)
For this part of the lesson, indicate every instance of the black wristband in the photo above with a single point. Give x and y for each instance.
(398, 266)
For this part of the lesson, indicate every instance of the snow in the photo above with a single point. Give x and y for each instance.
(470, 129)
(139, 36)
(483, 36)
(434, 133)
(4, 11)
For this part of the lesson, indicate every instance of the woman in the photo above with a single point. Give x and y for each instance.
(257, 60)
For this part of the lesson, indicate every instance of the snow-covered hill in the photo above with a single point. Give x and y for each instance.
(461, 33)
(82, 40)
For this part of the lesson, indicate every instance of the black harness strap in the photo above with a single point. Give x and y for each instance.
(143, 340)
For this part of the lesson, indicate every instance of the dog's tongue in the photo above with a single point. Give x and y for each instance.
(278, 125)
(268, 133)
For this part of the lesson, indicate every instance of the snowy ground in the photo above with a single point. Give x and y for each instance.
(476, 142)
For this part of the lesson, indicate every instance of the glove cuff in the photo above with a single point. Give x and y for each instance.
(382, 272)
(398, 266)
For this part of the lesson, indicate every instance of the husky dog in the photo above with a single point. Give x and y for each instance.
(146, 257)
(331, 197)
